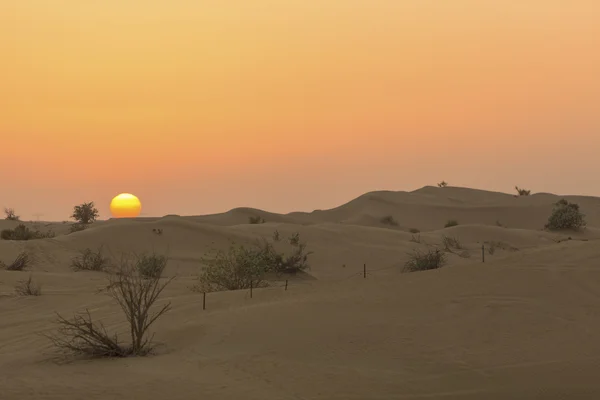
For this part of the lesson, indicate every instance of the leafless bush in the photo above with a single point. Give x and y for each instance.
(10, 214)
(28, 288)
(522, 192)
(451, 242)
(423, 260)
(442, 184)
(151, 265)
(22, 261)
(136, 296)
(89, 260)
(416, 239)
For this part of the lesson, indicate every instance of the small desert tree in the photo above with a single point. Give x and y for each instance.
(522, 192)
(85, 213)
(136, 296)
(565, 215)
(10, 214)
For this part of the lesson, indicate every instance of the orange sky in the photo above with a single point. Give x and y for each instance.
(201, 106)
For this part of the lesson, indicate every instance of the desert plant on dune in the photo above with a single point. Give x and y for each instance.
(442, 184)
(414, 230)
(85, 213)
(522, 192)
(451, 242)
(151, 265)
(10, 214)
(242, 267)
(22, 232)
(423, 260)
(451, 223)
(90, 260)
(136, 296)
(388, 220)
(28, 287)
(256, 220)
(565, 215)
(22, 261)
(77, 227)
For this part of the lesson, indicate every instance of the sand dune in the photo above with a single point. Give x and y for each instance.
(522, 325)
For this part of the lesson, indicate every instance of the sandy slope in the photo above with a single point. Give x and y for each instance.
(522, 325)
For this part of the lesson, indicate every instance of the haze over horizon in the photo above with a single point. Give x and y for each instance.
(200, 107)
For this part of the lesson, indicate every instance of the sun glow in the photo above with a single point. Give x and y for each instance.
(125, 205)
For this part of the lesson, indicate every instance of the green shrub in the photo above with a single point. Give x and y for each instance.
(85, 213)
(423, 260)
(566, 215)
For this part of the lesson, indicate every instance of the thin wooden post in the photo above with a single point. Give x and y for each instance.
(250, 289)
(204, 300)
(286, 284)
(364, 270)
(482, 253)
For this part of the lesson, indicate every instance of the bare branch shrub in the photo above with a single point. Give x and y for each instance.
(451, 242)
(20, 263)
(28, 288)
(442, 184)
(89, 260)
(522, 192)
(136, 296)
(423, 260)
(10, 214)
(151, 265)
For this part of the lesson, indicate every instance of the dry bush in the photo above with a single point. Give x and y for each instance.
(77, 227)
(10, 214)
(423, 260)
(451, 242)
(522, 192)
(243, 267)
(493, 245)
(416, 239)
(388, 220)
(89, 260)
(414, 230)
(22, 261)
(28, 288)
(151, 265)
(442, 184)
(136, 296)
(22, 232)
(450, 223)
(256, 220)
(566, 215)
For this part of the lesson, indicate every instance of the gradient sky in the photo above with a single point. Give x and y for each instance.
(201, 106)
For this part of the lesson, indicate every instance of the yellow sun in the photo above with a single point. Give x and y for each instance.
(125, 205)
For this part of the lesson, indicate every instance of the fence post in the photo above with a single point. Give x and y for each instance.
(364, 270)
(250, 289)
(204, 300)
(482, 252)
(286, 283)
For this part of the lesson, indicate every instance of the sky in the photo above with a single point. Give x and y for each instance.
(198, 107)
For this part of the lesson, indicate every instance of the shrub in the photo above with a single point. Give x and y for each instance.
(416, 239)
(522, 192)
(10, 214)
(89, 260)
(77, 227)
(451, 242)
(242, 267)
(28, 288)
(136, 296)
(22, 232)
(20, 263)
(388, 220)
(256, 220)
(450, 223)
(442, 184)
(414, 230)
(423, 260)
(85, 213)
(151, 265)
(566, 215)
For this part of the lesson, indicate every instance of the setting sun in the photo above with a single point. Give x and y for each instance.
(125, 205)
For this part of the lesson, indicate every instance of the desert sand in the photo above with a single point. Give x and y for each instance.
(524, 324)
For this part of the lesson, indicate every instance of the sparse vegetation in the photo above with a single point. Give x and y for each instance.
(28, 287)
(242, 267)
(566, 215)
(423, 260)
(151, 265)
(19, 264)
(10, 214)
(415, 239)
(136, 296)
(85, 213)
(442, 184)
(522, 192)
(90, 260)
(22, 232)
(158, 231)
(451, 242)
(77, 227)
(451, 223)
(256, 220)
(388, 220)
(414, 230)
